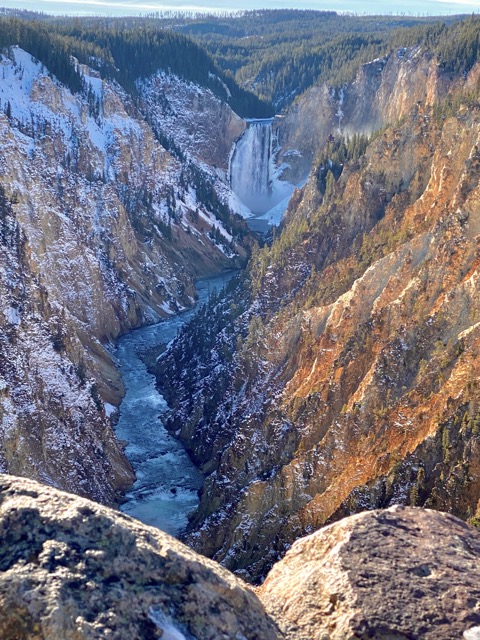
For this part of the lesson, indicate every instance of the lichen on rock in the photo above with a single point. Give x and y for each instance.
(72, 569)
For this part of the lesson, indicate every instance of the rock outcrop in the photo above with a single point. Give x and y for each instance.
(383, 91)
(394, 574)
(193, 118)
(71, 569)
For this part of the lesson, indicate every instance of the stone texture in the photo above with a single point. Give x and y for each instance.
(72, 569)
(397, 574)
(203, 125)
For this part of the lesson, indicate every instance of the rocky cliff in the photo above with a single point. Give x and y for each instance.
(103, 229)
(72, 569)
(192, 117)
(383, 91)
(349, 377)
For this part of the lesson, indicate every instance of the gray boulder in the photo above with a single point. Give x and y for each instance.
(71, 569)
(394, 574)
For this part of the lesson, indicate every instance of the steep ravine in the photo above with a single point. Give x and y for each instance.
(102, 230)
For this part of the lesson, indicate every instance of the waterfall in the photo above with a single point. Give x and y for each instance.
(250, 166)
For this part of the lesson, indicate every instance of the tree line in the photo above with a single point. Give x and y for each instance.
(279, 54)
(125, 55)
(257, 61)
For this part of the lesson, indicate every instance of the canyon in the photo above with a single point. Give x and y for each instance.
(336, 374)
(102, 231)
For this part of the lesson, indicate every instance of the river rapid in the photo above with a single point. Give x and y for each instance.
(166, 489)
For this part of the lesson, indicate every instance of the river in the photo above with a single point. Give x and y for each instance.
(166, 489)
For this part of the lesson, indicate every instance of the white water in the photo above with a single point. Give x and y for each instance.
(254, 175)
(250, 169)
(166, 489)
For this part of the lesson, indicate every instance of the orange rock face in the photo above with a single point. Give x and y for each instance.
(361, 389)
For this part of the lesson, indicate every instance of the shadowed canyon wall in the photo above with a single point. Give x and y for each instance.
(102, 230)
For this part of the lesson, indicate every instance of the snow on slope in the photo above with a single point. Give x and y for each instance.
(199, 124)
(101, 229)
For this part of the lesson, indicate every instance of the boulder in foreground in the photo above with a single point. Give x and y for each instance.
(71, 569)
(403, 573)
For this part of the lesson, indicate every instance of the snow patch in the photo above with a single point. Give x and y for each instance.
(171, 629)
(12, 316)
(110, 409)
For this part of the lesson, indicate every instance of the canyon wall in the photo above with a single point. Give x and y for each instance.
(103, 230)
(193, 118)
(348, 377)
(383, 91)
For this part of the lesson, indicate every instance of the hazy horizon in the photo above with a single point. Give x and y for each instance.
(139, 7)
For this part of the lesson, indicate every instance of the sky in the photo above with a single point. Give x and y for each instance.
(138, 7)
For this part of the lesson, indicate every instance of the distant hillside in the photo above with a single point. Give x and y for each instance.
(278, 54)
(252, 59)
(125, 54)
(421, 67)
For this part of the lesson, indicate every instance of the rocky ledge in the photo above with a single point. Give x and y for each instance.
(71, 569)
